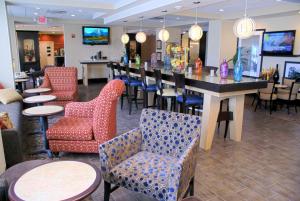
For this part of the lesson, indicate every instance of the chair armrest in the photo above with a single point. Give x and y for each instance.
(114, 151)
(188, 161)
(46, 82)
(80, 109)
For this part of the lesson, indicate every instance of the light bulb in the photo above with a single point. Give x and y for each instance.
(244, 27)
(163, 35)
(124, 38)
(195, 32)
(140, 37)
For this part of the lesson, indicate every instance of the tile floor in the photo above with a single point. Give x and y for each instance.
(265, 166)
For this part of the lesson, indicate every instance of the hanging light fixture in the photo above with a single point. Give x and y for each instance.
(163, 34)
(124, 37)
(244, 27)
(196, 32)
(141, 36)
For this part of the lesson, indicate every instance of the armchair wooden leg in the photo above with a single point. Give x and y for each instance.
(106, 191)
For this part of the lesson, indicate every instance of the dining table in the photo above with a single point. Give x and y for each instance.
(214, 90)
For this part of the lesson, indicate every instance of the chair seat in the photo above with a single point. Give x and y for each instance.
(151, 88)
(267, 96)
(168, 93)
(191, 100)
(64, 95)
(133, 82)
(285, 96)
(146, 173)
(71, 128)
(121, 77)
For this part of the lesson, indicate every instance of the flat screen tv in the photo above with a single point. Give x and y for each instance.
(278, 43)
(95, 35)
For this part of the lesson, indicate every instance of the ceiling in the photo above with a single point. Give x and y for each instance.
(114, 12)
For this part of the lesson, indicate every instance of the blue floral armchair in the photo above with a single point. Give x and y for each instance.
(157, 159)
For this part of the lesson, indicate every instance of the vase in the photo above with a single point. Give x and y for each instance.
(238, 69)
(224, 70)
(137, 60)
(276, 75)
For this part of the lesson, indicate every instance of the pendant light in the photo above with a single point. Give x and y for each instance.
(244, 27)
(196, 32)
(124, 37)
(163, 34)
(141, 36)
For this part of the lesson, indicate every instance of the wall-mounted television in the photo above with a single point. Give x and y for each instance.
(95, 35)
(278, 43)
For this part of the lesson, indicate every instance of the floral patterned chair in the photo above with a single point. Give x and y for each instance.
(157, 159)
(87, 124)
(63, 83)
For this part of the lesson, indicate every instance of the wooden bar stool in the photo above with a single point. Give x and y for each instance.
(151, 88)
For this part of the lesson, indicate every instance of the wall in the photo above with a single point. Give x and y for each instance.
(75, 51)
(58, 40)
(6, 68)
(148, 48)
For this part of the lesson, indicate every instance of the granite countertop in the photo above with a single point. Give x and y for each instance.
(94, 61)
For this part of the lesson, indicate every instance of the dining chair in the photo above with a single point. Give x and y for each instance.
(163, 94)
(185, 100)
(267, 95)
(289, 97)
(147, 88)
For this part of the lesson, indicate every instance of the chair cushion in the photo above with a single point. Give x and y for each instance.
(285, 96)
(266, 96)
(168, 92)
(133, 82)
(9, 96)
(151, 88)
(146, 173)
(191, 100)
(283, 91)
(64, 95)
(71, 128)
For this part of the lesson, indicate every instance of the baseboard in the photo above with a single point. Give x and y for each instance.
(94, 80)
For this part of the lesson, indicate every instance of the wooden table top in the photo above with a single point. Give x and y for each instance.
(37, 90)
(281, 86)
(39, 99)
(22, 80)
(45, 110)
(54, 181)
(207, 82)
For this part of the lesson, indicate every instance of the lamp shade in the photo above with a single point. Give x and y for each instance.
(195, 32)
(163, 35)
(140, 37)
(124, 38)
(244, 27)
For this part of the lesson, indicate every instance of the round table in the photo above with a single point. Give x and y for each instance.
(43, 112)
(37, 90)
(54, 181)
(20, 83)
(39, 99)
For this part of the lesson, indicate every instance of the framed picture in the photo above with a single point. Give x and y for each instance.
(158, 56)
(29, 52)
(291, 70)
(251, 53)
(158, 44)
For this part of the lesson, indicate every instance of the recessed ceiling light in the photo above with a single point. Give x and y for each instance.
(73, 15)
(177, 18)
(278, 0)
(184, 32)
(299, 12)
(35, 13)
(161, 21)
(178, 7)
(80, 10)
(38, 8)
(221, 10)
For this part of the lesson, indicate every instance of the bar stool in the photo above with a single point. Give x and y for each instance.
(185, 100)
(151, 88)
(163, 94)
(131, 84)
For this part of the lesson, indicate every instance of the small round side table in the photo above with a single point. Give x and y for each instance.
(39, 100)
(37, 90)
(20, 83)
(43, 112)
(54, 181)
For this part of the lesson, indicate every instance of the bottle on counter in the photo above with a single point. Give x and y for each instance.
(238, 68)
(198, 66)
(137, 60)
(224, 69)
(276, 75)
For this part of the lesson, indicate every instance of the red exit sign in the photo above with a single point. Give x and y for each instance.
(42, 20)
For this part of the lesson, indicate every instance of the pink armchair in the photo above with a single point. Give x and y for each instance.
(87, 124)
(63, 83)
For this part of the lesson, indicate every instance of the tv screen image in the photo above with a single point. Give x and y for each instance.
(281, 42)
(96, 35)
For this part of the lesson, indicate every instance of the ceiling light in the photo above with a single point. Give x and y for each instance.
(141, 36)
(221, 10)
(196, 32)
(299, 12)
(244, 27)
(35, 13)
(124, 37)
(178, 7)
(80, 10)
(161, 21)
(278, 0)
(177, 18)
(37, 8)
(163, 34)
(73, 15)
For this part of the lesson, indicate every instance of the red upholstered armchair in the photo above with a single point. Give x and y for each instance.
(87, 124)
(63, 82)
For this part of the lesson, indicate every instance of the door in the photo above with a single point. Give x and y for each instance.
(46, 53)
